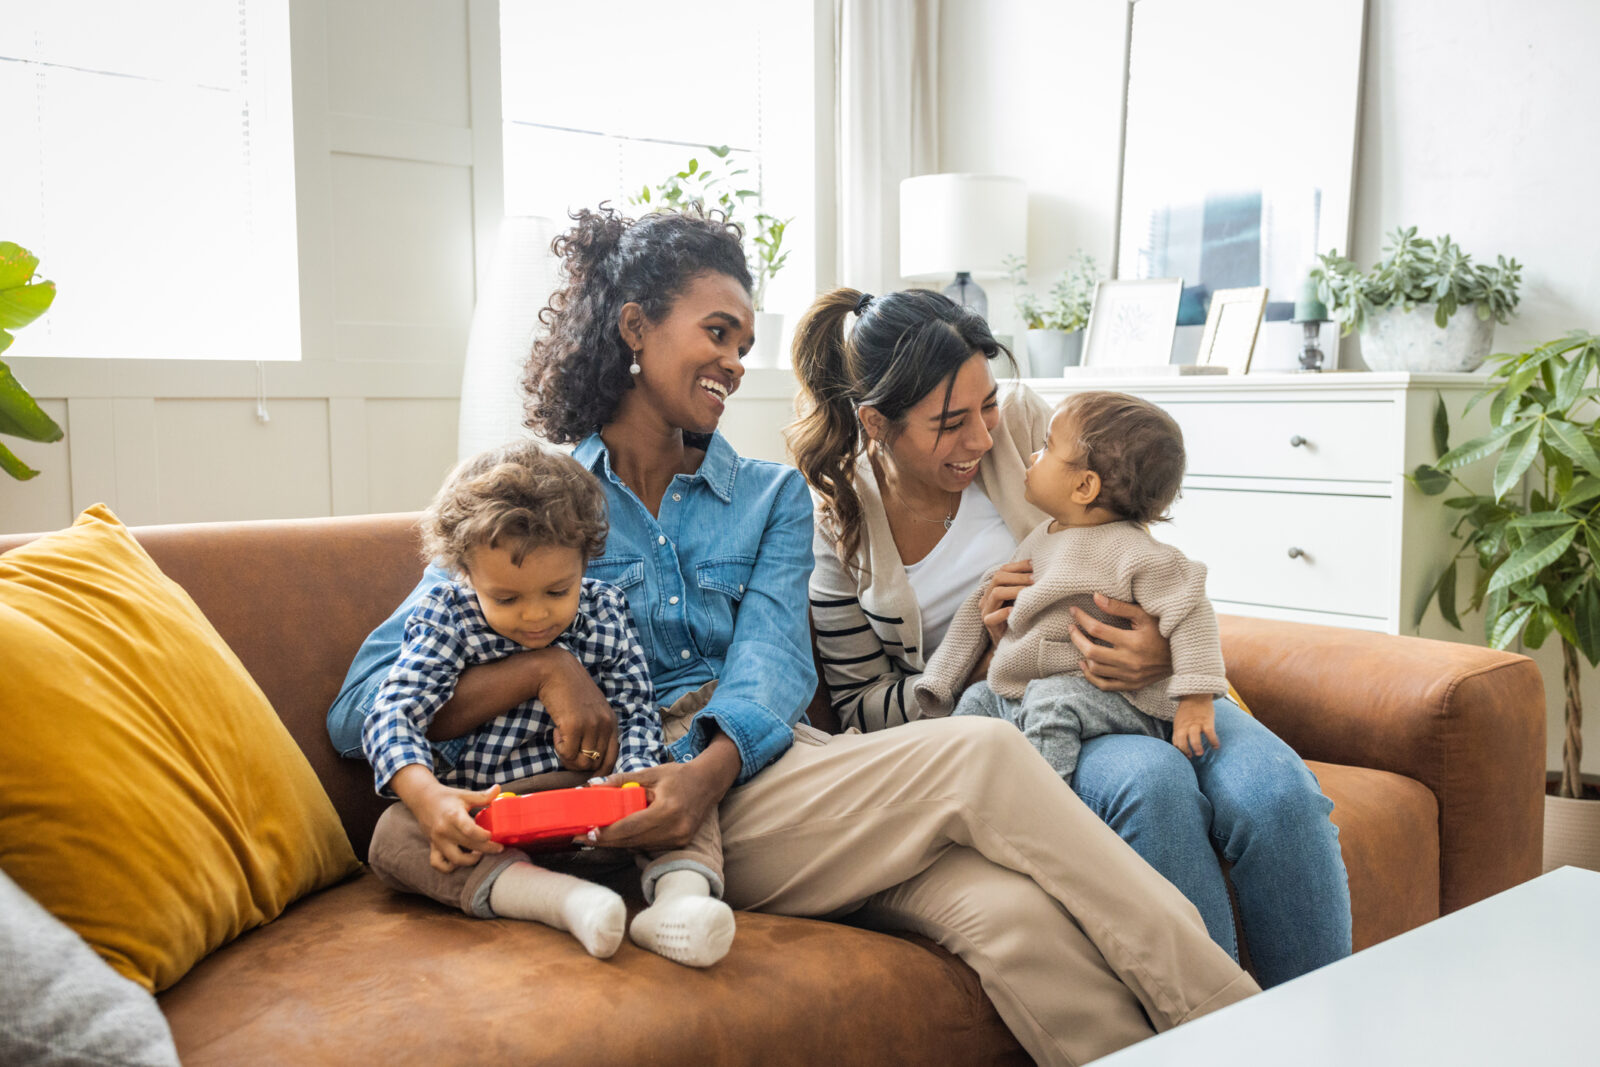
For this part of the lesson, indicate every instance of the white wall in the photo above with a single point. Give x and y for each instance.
(1478, 119)
(396, 168)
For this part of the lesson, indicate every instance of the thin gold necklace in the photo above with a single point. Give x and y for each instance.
(949, 517)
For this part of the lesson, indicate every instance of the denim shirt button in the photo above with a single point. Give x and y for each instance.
(684, 654)
(661, 540)
(672, 600)
(677, 496)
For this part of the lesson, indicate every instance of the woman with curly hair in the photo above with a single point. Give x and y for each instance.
(955, 829)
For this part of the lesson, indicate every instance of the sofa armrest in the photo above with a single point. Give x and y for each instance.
(1467, 722)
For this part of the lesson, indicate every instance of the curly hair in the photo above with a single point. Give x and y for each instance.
(578, 369)
(519, 497)
(1135, 447)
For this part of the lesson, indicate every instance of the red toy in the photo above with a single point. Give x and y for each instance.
(550, 820)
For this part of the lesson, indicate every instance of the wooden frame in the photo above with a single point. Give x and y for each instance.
(1232, 324)
(1132, 323)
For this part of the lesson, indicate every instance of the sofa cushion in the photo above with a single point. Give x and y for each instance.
(357, 973)
(60, 1003)
(149, 796)
(1389, 836)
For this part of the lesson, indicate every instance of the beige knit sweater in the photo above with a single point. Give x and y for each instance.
(1119, 559)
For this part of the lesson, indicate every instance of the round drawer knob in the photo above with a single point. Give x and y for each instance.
(1295, 553)
(1296, 441)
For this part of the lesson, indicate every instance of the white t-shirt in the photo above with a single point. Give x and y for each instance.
(977, 540)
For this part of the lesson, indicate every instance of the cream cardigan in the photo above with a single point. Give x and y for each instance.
(868, 624)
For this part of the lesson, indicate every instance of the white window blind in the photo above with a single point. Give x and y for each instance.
(146, 157)
(604, 97)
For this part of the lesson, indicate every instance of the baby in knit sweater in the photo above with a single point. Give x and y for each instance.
(1111, 464)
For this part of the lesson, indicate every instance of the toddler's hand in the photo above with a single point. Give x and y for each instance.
(454, 839)
(1194, 724)
(995, 604)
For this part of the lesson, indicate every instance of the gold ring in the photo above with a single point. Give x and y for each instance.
(589, 752)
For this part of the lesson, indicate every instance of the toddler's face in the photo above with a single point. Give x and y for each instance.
(1057, 471)
(532, 604)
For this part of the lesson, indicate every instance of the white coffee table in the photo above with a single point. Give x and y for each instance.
(1509, 980)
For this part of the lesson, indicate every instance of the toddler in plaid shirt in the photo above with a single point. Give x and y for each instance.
(516, 526)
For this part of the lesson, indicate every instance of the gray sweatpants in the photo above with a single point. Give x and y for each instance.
(1058, 714)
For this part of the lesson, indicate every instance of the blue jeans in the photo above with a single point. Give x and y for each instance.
(1254, 803)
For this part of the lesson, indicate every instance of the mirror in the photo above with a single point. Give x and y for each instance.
(1239, 153)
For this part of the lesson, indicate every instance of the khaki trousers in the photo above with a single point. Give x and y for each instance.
(956, 829)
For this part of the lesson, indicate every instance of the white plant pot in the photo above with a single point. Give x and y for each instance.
(1572, 832)
(1052, 351)
(768, 352)
(1395, 339)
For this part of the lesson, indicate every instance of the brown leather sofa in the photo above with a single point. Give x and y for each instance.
(1433, 754)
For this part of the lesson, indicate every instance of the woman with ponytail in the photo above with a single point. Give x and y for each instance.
(955, 828)
(916, 459)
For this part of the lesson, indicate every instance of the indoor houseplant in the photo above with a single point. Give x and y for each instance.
(21, 301)
(1055, 321)
(719, 184)
(1538, 553)
(1405, 306)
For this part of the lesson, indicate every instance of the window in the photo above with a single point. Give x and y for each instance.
(603, 98)
(148, 162)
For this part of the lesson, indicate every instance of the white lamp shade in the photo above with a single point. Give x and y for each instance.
(961, 222)
(522, 275)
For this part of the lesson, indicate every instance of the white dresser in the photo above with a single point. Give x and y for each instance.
(1296, 498)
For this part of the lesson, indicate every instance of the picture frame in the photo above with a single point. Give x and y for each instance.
(1232, 325)
(1132, 323)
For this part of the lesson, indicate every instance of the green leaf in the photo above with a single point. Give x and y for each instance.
(1586, 616)
(1521, 449)
(1562, 621)
(1441, 429)
(20, 416)
(21, 304)
(1476, 449)
(17, 265)
(1572, 443)
(1430, 481)
(1570, 382)
(1446, 592)
(1540, 551)
(1541, 519)
(14, 466)
(1505, 627)
(1538, 628)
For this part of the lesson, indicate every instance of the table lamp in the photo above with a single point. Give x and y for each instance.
(1310, 312)
(961, 224)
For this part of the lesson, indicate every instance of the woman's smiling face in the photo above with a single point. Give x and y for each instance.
(690, 361)
(939, 444)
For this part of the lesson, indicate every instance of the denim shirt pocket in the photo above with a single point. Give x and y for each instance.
(627, 574)
(722, 583)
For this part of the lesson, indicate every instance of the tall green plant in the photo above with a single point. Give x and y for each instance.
(720, 184)
(21, 301)
(1537, 558)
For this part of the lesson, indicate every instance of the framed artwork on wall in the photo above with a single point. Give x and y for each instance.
(1132, 322)
(1231, 327)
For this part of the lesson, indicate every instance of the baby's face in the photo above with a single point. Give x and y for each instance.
(1057, 471)
(532, 604)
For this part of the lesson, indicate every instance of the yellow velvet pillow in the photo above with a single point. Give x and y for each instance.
(149, 795)
(1233, 695)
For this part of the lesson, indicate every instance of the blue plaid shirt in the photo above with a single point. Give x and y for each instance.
(446, 633)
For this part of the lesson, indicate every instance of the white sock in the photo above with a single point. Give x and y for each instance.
(686, 924)
(591, 913)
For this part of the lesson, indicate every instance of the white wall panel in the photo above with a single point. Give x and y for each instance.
(410, 447)
(45, 502)
(402, 59)
(216, 460)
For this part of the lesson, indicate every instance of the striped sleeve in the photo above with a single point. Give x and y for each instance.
(867, 687)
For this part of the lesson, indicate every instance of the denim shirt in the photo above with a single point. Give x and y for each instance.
(717, 587)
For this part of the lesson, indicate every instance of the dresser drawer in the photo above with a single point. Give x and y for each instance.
(1344, 561)
(1346, 441)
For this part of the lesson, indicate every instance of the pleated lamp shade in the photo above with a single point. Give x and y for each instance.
(522, 275)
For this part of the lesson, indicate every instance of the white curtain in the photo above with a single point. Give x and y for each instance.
(887, 123)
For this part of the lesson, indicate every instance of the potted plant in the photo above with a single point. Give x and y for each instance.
(1056, 320)
(1538, 559)
(21, 301)
(1405, 306)
(716, 184)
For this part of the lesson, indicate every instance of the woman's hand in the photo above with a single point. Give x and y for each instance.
(445, 815)
(681, 795)
(1127, 659)
(995, 604)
